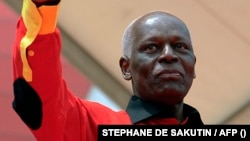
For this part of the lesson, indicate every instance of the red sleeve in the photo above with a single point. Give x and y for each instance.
(36, 60)
(42, 98)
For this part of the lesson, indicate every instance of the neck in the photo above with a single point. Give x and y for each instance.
(178, 111)
(175, 110)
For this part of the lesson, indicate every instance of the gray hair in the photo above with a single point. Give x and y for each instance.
(128, 39)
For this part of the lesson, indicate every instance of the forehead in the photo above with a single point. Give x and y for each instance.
(162, 24)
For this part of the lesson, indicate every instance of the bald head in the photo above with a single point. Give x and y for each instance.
(149, 20)
(158, 58)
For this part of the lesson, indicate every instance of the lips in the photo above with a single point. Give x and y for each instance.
(169, 74)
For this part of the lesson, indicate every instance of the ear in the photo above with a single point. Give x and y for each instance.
(194, 75)
(194, 68)
(125, 68)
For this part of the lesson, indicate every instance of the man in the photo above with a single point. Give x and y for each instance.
(158, 59)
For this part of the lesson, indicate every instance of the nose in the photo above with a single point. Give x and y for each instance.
(168, 54)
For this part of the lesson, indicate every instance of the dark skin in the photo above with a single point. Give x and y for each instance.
(161, 66)
(162, 62)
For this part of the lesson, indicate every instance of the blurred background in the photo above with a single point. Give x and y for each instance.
(92, 32)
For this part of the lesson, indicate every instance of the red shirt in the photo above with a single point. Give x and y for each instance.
(42, 98)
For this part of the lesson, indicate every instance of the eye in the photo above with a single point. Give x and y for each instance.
(180, 46)
(151, 48)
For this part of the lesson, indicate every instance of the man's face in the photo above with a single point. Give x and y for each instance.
(162, 60)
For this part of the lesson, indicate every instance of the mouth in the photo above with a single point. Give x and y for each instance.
(169, 74)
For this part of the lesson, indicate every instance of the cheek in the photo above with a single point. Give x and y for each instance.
(140, 64)
(141, 72)
(189, 67)
(189, 76)
(191, 71)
